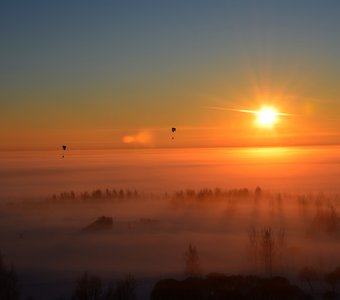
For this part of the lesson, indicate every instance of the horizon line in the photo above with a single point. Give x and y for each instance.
(177, 147)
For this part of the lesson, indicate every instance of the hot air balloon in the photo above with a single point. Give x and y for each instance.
(173, 129)
(64, 148)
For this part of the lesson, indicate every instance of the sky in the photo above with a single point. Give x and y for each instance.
(116, 74)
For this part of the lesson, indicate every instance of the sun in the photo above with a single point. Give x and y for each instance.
(267, 116)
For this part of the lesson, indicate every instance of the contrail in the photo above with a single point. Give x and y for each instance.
(244, 110)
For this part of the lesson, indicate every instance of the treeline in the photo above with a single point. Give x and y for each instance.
(214, 193)
(96, 195)
(91, 287)
(205, 193)
(219, 287)
(87, 287)
(190, 198)
(214, 286)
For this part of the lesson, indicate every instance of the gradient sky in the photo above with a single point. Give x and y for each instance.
(102, 73)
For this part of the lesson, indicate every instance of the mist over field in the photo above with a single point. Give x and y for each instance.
(26, 174)
(160, 201)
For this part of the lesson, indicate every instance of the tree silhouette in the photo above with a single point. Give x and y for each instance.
(281, 246)
(88, 288)
(9, 288)
(125, 289)
(192, 262)
(333, 278)
(253, 248)
(267, 249)
(262, 247)
(308, 275)
(258, 192)
(236, 287)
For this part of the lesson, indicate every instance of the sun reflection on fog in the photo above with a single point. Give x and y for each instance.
(269, 152)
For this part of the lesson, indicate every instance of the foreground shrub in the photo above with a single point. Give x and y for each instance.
(9, 287)
(219, 286)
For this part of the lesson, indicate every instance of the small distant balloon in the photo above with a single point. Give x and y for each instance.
(173, 129)
(64, 148)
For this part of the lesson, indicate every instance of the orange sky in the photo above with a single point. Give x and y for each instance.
(108, 76)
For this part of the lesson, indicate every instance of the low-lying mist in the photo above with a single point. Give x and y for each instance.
(49, 244)
(119, 212)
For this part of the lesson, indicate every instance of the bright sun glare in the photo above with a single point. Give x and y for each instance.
(267, 116)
